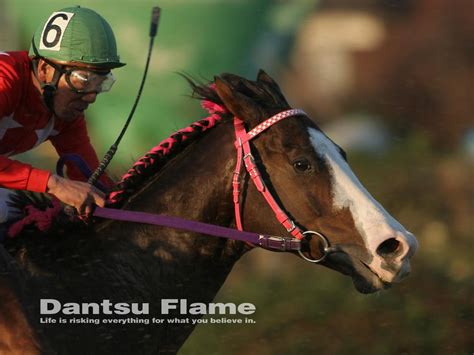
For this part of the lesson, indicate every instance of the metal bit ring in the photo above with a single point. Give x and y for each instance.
(325, 248)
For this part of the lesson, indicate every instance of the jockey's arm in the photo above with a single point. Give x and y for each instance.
(21, 176)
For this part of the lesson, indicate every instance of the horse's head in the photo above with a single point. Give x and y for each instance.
(311, 180)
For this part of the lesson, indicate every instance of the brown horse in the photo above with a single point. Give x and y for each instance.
(136, 263)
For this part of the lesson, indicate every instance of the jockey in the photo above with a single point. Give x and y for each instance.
(43, 96)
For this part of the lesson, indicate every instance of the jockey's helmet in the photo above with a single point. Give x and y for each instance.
(76, 36)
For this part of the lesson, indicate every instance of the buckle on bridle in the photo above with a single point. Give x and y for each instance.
(236, 177)
(292, 227)
(279, 243)
(250, 157)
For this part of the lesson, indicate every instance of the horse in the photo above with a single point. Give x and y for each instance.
(304, 170)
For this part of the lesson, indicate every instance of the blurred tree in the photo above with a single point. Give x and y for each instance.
(409, 62)
(421, 77)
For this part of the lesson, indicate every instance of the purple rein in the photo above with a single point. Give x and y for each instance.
(265, 241)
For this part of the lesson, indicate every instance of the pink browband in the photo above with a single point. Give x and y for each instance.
(244, 153)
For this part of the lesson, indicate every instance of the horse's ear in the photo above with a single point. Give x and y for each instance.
(264, 77)
(238, 104)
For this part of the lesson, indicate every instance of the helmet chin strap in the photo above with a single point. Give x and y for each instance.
(49, 88)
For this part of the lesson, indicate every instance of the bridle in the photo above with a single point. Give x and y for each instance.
(244, 154)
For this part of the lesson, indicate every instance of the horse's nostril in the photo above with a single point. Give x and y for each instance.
(389, 247)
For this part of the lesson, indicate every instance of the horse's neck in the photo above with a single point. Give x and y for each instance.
(195, 185)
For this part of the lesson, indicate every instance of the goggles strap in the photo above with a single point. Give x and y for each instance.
(49, 90)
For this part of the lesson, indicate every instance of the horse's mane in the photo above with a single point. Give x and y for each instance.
(156, 158)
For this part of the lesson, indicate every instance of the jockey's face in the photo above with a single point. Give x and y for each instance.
(68, 104)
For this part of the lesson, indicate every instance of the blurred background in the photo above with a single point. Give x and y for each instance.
(391, 81)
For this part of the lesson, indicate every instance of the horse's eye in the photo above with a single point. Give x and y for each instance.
(302, 165)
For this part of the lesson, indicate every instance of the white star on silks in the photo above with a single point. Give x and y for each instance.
(6, 123)
(45, 132)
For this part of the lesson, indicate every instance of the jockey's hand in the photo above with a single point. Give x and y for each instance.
(81, 195)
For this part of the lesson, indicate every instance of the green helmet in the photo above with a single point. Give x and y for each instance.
(76, 35)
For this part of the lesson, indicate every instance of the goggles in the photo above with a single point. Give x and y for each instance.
(85, 81)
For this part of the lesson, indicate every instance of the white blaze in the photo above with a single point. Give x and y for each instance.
(371, 220)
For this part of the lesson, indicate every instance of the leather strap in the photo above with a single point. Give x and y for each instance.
(244, 153)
